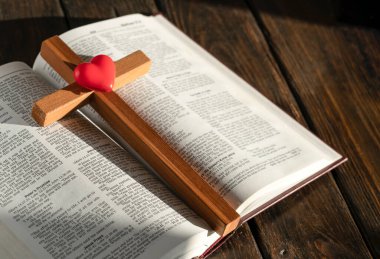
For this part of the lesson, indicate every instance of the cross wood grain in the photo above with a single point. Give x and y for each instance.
(334, 69)
(168, 164)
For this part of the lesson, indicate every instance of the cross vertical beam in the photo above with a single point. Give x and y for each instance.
(171, 167)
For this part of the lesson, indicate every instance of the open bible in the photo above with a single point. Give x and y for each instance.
(76, 190)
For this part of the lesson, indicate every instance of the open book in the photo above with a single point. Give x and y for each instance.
(76, 190)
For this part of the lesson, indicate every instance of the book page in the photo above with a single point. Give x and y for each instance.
(236, 139)
(68, 191)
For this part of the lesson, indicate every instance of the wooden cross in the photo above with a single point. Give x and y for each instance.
(180, 176)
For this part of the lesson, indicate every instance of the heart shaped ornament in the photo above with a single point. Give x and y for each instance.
(97, 75)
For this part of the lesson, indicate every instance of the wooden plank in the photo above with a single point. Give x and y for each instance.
(334, 69)
(24, 25)
(241, 245)
(314, 222)
(86, 11)
(77, 16)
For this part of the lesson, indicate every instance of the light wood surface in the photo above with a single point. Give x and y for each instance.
(176, 172)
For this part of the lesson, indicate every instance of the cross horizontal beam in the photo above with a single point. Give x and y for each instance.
(61, 58)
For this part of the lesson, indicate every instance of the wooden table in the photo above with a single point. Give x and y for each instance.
(323, 71)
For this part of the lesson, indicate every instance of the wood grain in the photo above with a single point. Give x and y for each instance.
(241, 245)
(60, 103)
(315, 222)
(82, 12)
(334, 69)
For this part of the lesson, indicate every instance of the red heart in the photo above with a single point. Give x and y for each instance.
(98, 75)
